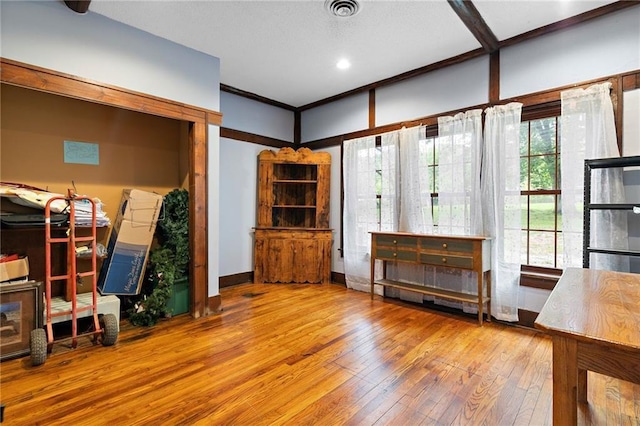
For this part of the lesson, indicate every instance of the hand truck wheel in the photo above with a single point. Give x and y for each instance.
(38, 346)
(109, 325)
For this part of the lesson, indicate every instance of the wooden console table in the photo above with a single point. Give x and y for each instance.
(452, 251)
(593, 319)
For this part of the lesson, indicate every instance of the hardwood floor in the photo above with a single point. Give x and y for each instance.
(305, 355)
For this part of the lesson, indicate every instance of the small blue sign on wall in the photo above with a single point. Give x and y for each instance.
(81, 153)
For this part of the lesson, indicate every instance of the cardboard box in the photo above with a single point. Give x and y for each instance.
(14, 269)
(128, 248)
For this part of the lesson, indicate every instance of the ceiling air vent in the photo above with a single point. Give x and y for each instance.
(342, 8)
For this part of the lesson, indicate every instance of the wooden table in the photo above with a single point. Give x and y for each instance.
(467, 252)
(593, 318)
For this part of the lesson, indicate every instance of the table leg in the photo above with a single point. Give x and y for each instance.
(565, 381)
(373, 270)
(480, 299)
(582, 385)
(489, 295)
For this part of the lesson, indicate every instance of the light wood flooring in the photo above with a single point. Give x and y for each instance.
(305, 355)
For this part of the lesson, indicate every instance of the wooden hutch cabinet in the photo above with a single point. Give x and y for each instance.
(292, 237)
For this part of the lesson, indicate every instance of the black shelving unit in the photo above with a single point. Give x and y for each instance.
(589, 166)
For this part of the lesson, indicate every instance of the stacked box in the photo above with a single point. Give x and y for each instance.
(129, 243)
(14, 270)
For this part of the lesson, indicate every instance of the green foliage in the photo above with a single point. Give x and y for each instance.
(168, 262)
(538, 139)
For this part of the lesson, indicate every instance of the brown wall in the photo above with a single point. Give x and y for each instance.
(136, 150)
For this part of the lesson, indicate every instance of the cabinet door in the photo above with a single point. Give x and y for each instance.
(307, 261)
(277, 264)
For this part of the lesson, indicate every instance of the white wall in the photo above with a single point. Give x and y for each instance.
(447, 89)
(342, 116)
(443, 90)
(238, 201)
(255, 117)
(631, 123)
(50, 35)
(337, 261)
(594, 49)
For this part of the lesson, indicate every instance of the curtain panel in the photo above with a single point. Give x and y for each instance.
(459, 197)
(360, 209)
(587, 132)
(501, 205)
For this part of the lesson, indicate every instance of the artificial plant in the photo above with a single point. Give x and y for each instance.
(168, 262)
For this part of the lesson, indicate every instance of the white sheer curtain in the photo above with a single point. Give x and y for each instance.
(360, 209)
(459, 197)
(588, 131)
(460, 154)
(415, 183)
(501, 197)
(415, 206)
(389, 179)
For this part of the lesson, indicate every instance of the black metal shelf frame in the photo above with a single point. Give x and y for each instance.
(602, 163)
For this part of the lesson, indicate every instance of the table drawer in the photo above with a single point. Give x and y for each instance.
(396, 241)
(391, 254)
(445, 245)
(445, 260)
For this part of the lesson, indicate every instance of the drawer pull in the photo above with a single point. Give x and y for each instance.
(395, 254)
(444, 245)
(395, 242)
(444, 260)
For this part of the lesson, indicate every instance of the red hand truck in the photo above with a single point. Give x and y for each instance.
(105, 327)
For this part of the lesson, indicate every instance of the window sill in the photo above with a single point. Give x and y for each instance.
(539, 280)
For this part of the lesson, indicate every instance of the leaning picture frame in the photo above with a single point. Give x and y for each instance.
(20, 312)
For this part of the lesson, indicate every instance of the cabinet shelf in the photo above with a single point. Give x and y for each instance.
(432, 291)
(293, 206)
(294, 181)
(614, 251)
(589, 166)
(612, 206)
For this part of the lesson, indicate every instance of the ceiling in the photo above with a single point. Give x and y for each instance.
(287, 51)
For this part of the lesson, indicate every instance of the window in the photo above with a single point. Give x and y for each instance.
(540, 188)
(540, 185)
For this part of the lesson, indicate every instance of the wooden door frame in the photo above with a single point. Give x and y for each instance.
(49, 81)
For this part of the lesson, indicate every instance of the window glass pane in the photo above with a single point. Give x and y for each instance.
(378, 182)
(541, 248)
(524, 138)
(542, 211)
(543, 172)
(543, 136)
(524, 212)
(436, 185)
(430, 150)
(436, 210)
(524, 247)
(524, 173)
(559, 257)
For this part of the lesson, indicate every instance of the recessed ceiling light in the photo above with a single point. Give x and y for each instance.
(342, 8)
(343, 64)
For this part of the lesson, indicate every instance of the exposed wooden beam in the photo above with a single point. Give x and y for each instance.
(494, 76)
(472, 19)
(78, 6)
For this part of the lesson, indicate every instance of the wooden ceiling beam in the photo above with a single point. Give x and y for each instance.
(472, 19)
(78, 6)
